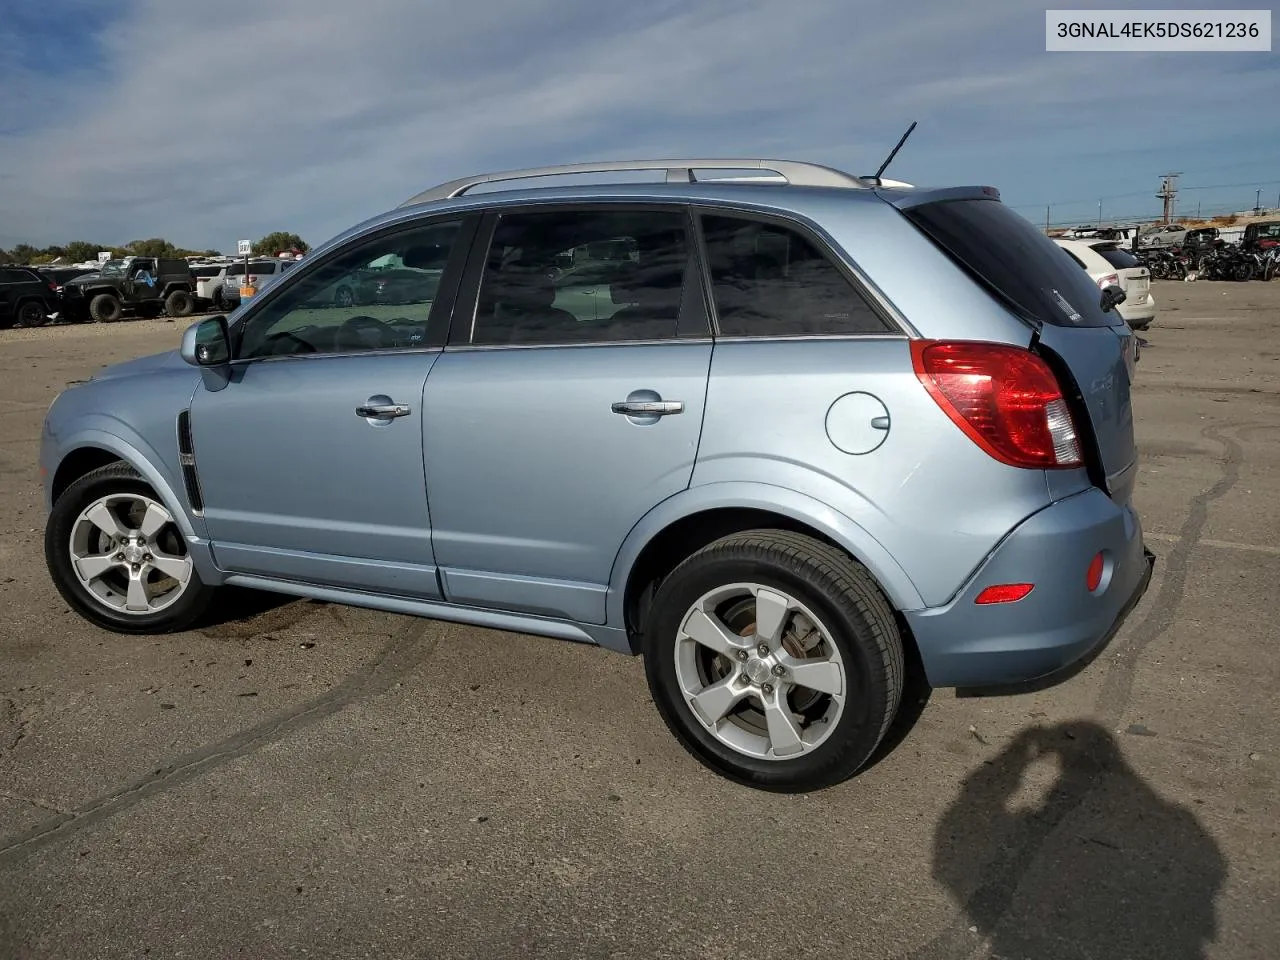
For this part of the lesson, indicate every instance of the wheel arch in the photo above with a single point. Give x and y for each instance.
(96, 448)
(688, 521)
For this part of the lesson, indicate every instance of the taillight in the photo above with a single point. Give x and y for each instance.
(1109, 280)
(1005, 399)
(53, 286)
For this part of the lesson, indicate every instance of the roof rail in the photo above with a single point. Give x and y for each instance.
(795, 172)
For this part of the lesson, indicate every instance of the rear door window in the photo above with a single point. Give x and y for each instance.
(1014, 260)
(770, 281)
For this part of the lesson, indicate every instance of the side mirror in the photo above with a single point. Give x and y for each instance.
(207, 343)
(1112, 297)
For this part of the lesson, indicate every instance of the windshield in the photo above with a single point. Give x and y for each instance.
(112, 267)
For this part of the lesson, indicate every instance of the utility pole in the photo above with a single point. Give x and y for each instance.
(1168, 191)
(1257, 202)
(1099, 214)
(1046, 218)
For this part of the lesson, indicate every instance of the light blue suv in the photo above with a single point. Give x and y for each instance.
(821, 437)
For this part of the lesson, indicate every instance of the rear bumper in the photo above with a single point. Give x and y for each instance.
(1057, 629)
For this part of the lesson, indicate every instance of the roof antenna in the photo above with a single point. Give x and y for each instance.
(893, 153)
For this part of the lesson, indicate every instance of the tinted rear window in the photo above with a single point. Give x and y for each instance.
(261, 266)
(1014, 260)
(1120, 259)
(205, 272)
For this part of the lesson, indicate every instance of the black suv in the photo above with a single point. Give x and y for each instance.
(145, 286)
(26, 298)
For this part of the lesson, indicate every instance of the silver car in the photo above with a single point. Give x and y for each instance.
(827, 438)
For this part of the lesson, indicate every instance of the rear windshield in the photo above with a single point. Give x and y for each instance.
(1120, 259)
(261, 266)
(205, 273)
(1014, 260)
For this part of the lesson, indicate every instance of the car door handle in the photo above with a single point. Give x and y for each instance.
(382, 411)
(648, 408)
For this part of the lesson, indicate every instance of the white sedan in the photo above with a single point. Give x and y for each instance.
(1108, 264)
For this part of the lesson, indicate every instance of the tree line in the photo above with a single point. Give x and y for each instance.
(78, 251)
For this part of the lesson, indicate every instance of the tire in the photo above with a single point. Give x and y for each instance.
(31, 313)
(219, 303)
(179, 304)
(854, 621)
(1242, 272)
(105, 308)
(344, 297)
(104, 600)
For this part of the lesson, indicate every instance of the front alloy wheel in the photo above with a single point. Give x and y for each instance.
(118, 558)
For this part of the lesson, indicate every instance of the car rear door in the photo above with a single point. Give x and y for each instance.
(1061, 304)
(550, 434)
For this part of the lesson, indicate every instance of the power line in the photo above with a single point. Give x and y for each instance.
(1142, 193)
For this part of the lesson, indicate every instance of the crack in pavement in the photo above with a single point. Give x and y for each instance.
(400, 655)
(43, 805)
(1000, 881)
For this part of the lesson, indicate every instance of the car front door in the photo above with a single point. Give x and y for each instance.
(309, 455)
(550, 435)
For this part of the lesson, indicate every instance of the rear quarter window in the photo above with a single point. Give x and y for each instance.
(1013, 260)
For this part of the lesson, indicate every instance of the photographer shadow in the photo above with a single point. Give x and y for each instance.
(1091, 863)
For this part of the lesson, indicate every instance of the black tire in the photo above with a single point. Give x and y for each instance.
(31, 313)
(179, 303)
(105, 308)
(1242, 272)
(344, 297)
(116, 477)
(219, 302)
(843, 595)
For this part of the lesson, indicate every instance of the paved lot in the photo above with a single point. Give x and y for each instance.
(309, 779)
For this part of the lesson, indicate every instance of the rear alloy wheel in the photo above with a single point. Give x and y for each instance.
(32, 314)
(105, 308)
(775, 660)
(179, 304)
(118, 558)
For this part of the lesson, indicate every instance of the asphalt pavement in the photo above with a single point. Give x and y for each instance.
(302, 779)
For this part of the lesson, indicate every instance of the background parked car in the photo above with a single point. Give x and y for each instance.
(210, 280)
(26, 297)
(60, 276)
(261, 272)
(1107, 264)
(1164, 235)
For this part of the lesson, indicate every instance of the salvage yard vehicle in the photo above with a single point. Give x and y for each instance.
(841, 437)
(1108, 265)
(141, 286)
(27, 298)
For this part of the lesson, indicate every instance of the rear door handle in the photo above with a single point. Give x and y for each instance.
(648, 408)
(382, 411)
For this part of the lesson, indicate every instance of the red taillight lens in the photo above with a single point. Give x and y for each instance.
(53, 286)
(1094, 575)
(1004, 593)
(1111, 279)
(1005, 398)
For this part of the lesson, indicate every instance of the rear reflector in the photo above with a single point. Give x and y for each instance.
(1005, 593)
(1005, 399)
(1094, 575)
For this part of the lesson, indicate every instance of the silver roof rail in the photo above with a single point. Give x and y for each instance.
(795, 172)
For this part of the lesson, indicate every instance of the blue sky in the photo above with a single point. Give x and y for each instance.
(171, 118)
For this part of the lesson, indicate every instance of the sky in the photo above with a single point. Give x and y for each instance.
(206, 123)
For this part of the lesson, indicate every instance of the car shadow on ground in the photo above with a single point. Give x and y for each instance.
(1089, 863)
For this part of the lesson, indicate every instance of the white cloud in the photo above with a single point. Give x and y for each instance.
(211, 123)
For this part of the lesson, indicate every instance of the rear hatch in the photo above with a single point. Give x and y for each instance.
(1135, 279)
(1092, 352)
